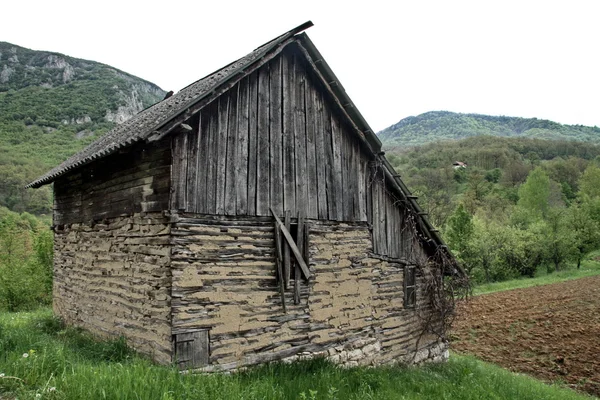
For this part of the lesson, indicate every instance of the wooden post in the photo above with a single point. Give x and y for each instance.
(297, 280)
(280, 277)
(286, 251)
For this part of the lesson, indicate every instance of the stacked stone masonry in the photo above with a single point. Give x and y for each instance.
(113, 279)
(351, 310)
(149, 278)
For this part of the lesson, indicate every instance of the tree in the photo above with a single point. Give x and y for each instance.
(535, 193)
(459, 229)
(589, 183)
(585, 229)
(560, 243)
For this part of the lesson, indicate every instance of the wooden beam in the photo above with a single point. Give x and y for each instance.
(293, 246)
(280, 277)
(286, 251)
(301, 248)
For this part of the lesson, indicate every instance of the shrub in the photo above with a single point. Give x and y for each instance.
(25, 262)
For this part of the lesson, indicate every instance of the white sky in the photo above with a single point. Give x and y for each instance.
(395, 58)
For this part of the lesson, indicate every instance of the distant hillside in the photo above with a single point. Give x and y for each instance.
(51, 106)
(443, 125)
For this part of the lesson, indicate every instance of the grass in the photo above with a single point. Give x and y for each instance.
(64, 363)
(589, 267)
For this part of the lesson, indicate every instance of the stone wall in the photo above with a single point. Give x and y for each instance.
(351, 310)
(113, 279)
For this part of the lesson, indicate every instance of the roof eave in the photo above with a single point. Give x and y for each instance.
(339, 91)
(270, 47)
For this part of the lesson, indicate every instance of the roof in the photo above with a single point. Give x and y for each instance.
(161, 118)
(147, 122)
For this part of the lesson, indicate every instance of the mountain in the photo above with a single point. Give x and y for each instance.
(444, 125)
(51, 106)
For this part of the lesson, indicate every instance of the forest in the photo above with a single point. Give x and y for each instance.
(445, 125)
(516, 206)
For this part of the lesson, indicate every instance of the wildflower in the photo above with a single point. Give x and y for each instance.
(52, 389)
(38, 396)
(2, 375)
(25, 355)
(31, 352)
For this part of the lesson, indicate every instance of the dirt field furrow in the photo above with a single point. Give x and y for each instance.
(551, 332)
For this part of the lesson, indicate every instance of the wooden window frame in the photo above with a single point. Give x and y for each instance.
(410, 286)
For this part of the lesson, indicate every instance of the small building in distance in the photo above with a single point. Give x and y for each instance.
(459, 165)
(250, 217)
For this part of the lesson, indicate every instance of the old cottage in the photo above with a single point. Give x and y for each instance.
(250, 217)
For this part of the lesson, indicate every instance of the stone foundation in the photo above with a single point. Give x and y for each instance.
(367, 352)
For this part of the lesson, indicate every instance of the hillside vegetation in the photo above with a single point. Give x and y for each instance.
(520, 205)
(443, 125)
(51, 106)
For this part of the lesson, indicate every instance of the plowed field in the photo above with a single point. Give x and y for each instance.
(550, 332)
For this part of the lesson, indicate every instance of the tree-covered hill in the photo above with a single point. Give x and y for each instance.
(443, 125)
(512, 205)
(51, 106)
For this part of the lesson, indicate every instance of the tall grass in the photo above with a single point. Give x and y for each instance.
(41, 359)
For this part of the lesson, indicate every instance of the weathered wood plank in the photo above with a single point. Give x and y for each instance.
(242, 143)
(221, 154)
(263, 156)
(311, 156)
(332, 210)
(232, 153)
(362, 188)
(390, 220)
(252, 141)
(321, 158)
(289, 165)
(279, 261)
(337, 189)
(276, 136)
(297, 253)
(179, 171)
(204, 148)
(211, 159)
(355, 178)
(369, 173)
(347, 176)
(300, 138)
(374, 191)
(301, 249)
(286, 251)
(192, 168)
(382, 218)
(159, 175)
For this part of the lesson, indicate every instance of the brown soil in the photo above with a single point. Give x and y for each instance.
(551, 332)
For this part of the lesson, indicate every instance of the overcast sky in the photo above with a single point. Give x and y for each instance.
(395, 58)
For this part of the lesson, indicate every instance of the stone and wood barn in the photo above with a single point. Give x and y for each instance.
(250, 217)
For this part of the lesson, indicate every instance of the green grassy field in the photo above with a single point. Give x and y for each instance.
(40, 359)
(589, 267)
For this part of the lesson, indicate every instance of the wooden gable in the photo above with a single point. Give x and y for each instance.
(275, 139)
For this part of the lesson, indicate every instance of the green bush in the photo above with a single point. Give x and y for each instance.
(25, 262)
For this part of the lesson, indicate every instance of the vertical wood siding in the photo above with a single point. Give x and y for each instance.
(273, 140)
(393, 226)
